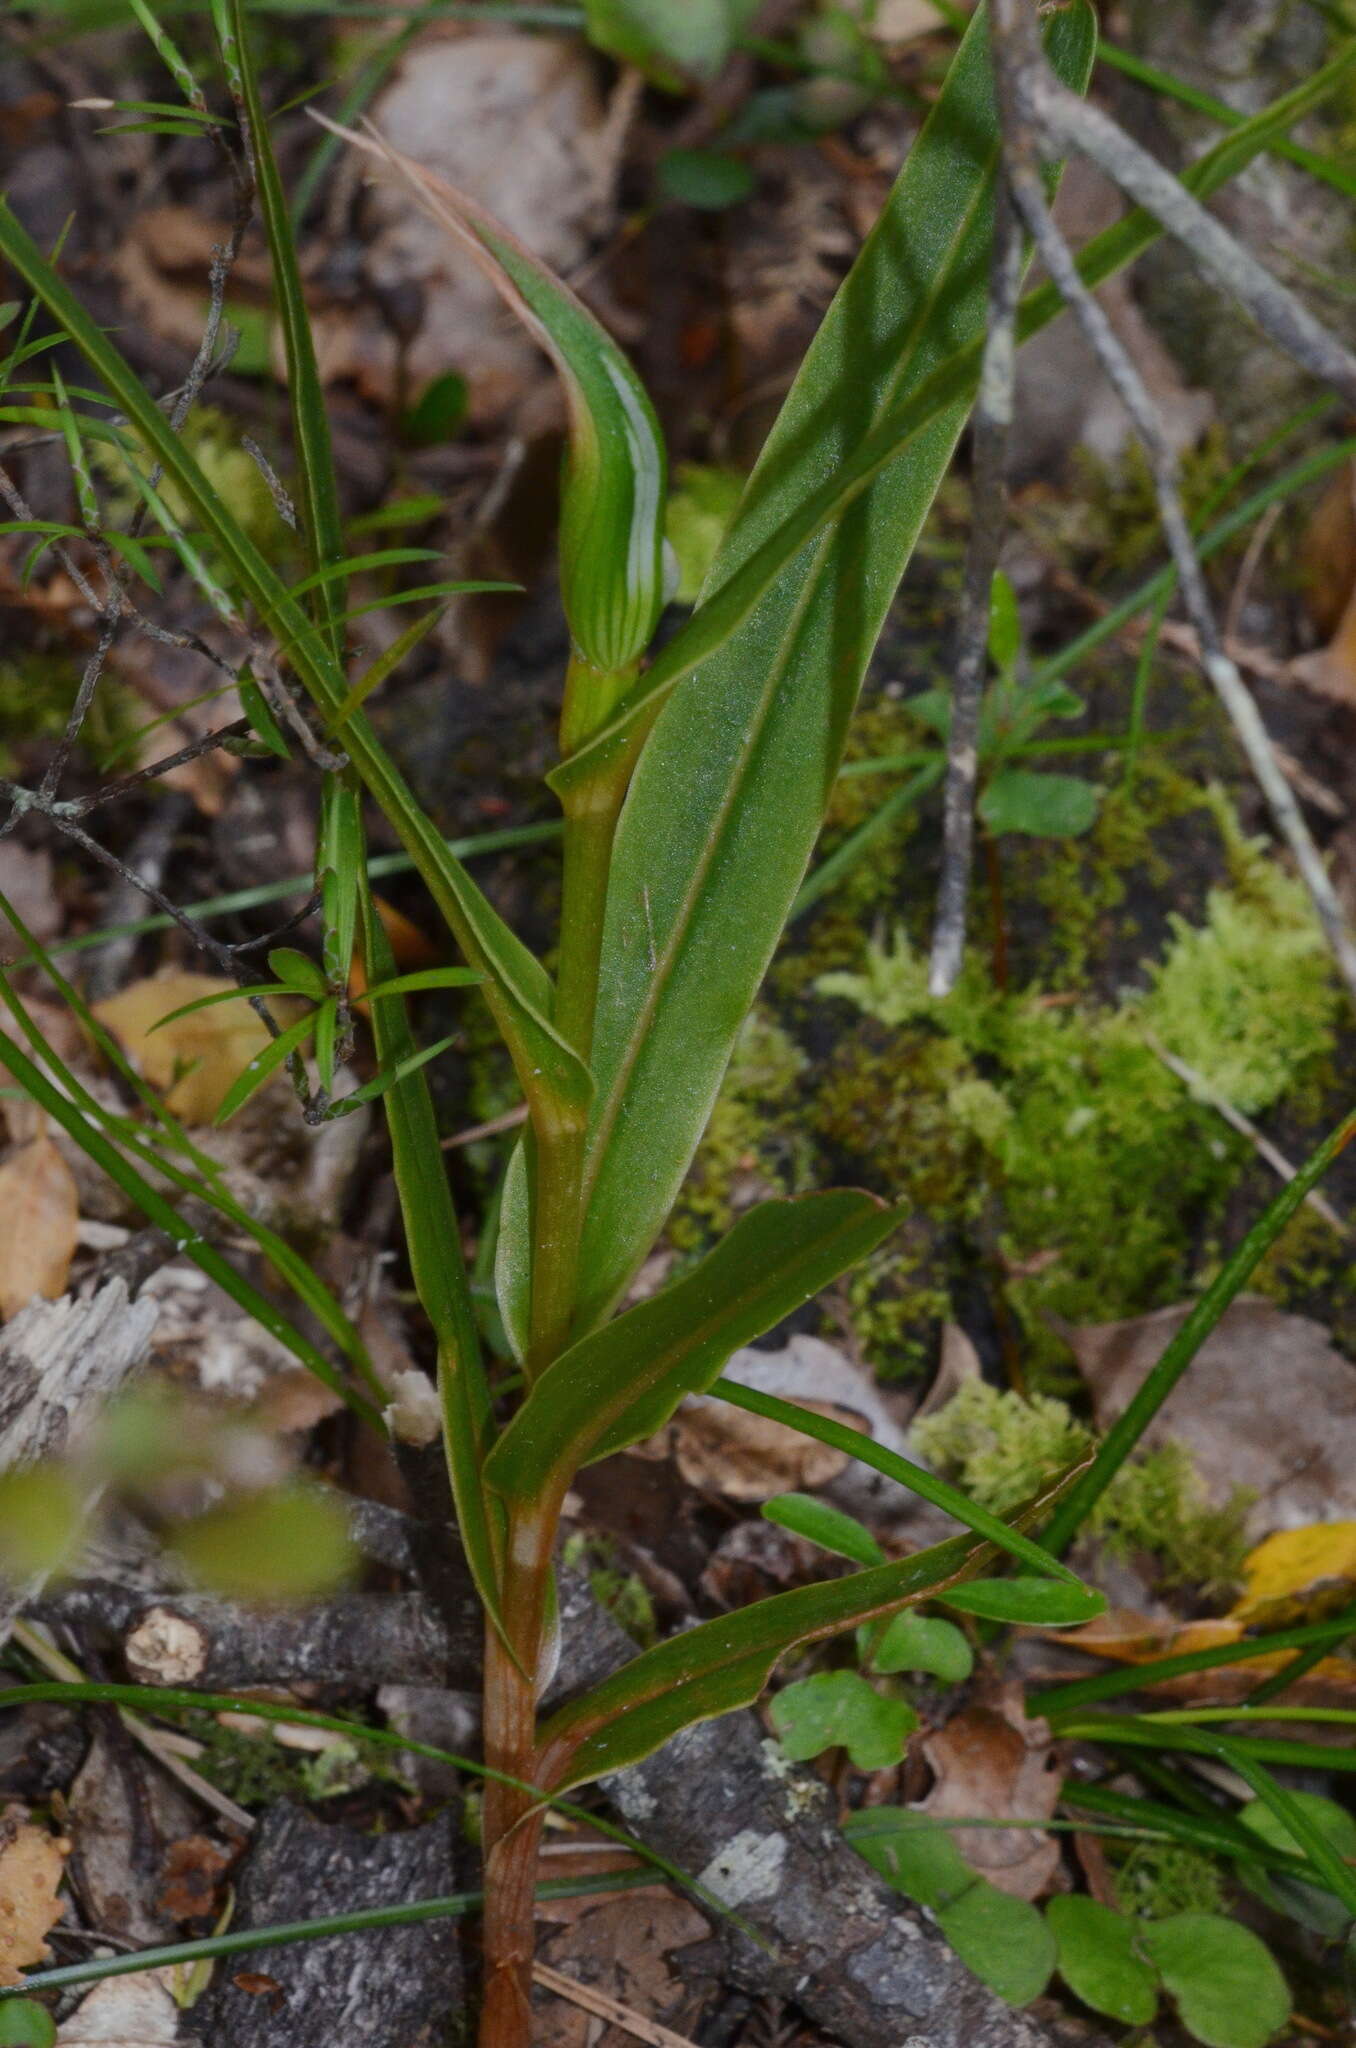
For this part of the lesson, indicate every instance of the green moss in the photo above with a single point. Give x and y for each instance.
(1159, 1879)
(1248, 998)
(752, 1143)
(213, 438)
(897, 1301)
(884, 1109)
(36, 697)
(1081, 884)
(700, 508)
(1002, 1447)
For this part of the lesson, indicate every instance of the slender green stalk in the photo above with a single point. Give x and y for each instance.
(283, 1934)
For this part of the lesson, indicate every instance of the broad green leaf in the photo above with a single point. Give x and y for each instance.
(26, 2024)
(1098, 1960)
(911, 1852)
(1035, 1603)
(923, 1642)
(517, 986)
(827, 1526)
(613, 491)
(624, 1382)
(1228, 1990)
(839, 1710)
(1045, 806)
(433, 1239)
(1005, 1941)
(286, 1543)
(731, 786)
(726, 1663)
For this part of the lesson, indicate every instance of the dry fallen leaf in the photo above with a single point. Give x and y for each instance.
(745, 1457)
(32, 1863)
(1266, 1403)
(1127, 1638)
(194, 1061)
(992, 1763)
(39, 1215)
(123, 2012)
(1298, 1574)
(621, 1948)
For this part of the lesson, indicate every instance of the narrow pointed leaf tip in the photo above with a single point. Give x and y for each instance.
(613, 491)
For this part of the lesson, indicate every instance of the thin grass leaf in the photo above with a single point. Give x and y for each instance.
(226, 995)
(433, 1238)
(162, 1213)
(424, 978)
(355, 565)
(283, 1934)
(553, 1078)
(167, 50)
(731, 787)
(389, 1077)
(384, 666)
(1216, 1832)
(204, 1178)
(1130, 1426)
(256, 1071)
(915, 1477)
(1332, 1869)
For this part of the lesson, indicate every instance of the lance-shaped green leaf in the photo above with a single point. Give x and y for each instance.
(731, 786)
(723, 610)
(624, 1382)
(726, 1663)
(434, 1240)
(612, 500)
(518, 989)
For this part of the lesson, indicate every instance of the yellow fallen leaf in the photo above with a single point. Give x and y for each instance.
(194, 1061)
(31, 1865)
(39, 1212)
(1298, 1573)
(1125, 1637)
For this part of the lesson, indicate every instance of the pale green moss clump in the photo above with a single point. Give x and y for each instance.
(1247, 998)
(1001, 1447)
(1159, 1879)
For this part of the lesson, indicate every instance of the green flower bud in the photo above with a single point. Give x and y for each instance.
(612, 565)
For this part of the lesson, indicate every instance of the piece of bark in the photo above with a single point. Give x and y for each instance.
(60, 1363)
(721, 1801)
(393, 1987)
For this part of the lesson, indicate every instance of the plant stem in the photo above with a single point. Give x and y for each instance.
(512, 1818)
(591, 815)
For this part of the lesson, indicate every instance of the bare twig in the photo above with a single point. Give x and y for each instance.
(1028, 107)
(993, 422)
(610, 2009)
